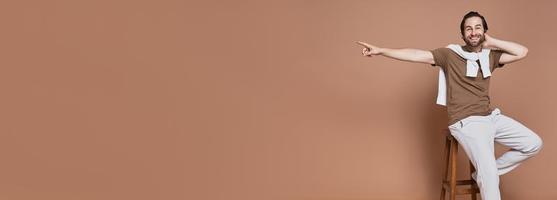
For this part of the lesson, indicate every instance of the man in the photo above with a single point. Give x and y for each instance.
(464, 88)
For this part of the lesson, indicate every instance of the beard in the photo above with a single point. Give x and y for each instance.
(475, 43)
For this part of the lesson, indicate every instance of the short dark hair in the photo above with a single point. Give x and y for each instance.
(472, 14)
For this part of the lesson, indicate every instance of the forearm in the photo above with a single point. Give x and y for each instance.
(510, 47)
(407, 54)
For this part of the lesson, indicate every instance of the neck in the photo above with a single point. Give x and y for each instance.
(473, 49)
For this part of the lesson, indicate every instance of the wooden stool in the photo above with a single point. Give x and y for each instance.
(449, 173)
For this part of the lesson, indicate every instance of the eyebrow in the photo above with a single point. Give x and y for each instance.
(474, 25)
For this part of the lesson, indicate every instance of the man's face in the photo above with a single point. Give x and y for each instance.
(473, 31)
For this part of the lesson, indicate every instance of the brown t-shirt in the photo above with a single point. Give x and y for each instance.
(466, 96)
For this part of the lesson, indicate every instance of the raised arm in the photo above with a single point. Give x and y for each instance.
(406, 54)
(513, 51)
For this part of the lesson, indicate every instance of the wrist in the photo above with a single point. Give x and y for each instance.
(494, 43)
(380, 51)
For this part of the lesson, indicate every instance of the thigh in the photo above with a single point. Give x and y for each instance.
(476, 136)
(513, 134)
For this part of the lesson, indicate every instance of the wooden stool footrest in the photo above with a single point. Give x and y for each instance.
(471, 190)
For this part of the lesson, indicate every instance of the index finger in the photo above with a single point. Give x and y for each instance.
(363, 44)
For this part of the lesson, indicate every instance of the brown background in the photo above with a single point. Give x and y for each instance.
(250, 100)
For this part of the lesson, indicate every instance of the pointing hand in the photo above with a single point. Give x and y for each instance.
(369, 50)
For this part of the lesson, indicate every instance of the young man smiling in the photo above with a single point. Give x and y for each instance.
(464, 74)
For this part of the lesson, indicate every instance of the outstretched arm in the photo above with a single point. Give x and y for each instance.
(513, 51)
(410, 55)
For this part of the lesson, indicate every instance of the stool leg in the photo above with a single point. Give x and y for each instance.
(454, 153)
(472, 169)
(446, 160)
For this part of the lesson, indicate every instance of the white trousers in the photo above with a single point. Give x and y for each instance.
(477, 134)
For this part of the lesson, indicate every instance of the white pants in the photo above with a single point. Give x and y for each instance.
(477, 134)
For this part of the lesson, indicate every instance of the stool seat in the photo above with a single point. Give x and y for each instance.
(450, 184)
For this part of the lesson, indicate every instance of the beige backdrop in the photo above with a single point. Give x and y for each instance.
(250, 100)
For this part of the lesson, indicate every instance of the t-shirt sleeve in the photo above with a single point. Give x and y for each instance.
(440, 57)
(495, 56)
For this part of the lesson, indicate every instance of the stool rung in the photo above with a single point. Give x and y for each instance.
(461, 182)
(474, 189)
(467, 190)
